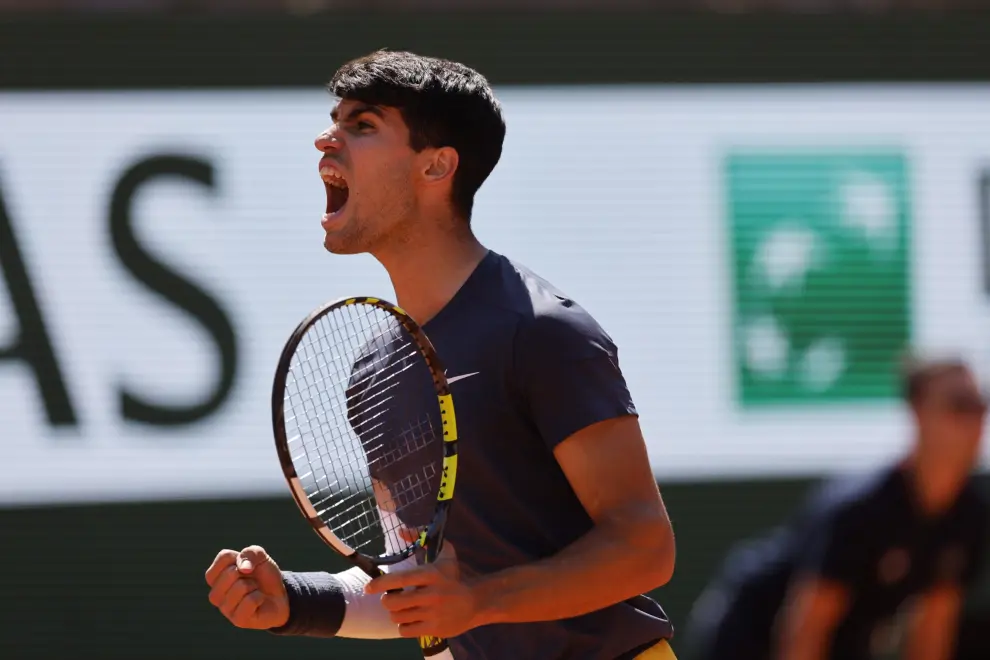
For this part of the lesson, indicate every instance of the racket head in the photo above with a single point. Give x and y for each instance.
(365, 431)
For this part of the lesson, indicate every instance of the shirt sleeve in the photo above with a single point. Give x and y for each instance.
(567, 369)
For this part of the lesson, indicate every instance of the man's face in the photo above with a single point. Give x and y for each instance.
(368, 169)
(951, 417)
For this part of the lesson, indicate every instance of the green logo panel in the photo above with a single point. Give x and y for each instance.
(821, 274)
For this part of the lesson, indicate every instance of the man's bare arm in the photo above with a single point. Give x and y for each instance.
(629, 551)
(934, 625)
(809, 618)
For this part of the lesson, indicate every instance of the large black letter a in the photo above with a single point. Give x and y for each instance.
(31, 344)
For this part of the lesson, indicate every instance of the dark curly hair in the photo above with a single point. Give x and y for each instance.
(443, 103)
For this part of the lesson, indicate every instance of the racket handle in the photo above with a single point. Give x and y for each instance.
(435, 648)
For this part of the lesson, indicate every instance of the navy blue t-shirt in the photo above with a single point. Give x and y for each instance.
(863, 532)
(528, 368)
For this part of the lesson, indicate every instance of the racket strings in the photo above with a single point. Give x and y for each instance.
(362, 457)
(412, 439)
(313, 386)
(348, 515)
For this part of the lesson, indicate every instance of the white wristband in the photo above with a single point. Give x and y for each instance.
(365, 617)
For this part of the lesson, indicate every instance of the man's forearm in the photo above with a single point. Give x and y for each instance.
(609, 564)
(933, 628)
(809, 617)
(806, 649)
(801, 642)
(802, 637)
(929, 649)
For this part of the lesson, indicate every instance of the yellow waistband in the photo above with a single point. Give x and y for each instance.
(659, 651)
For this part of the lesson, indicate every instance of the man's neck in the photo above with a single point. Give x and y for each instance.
(427, 271)
(934, 484)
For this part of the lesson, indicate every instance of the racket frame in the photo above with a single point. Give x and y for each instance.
(430, 540)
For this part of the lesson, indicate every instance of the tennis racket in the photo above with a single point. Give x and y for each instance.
(366, 435)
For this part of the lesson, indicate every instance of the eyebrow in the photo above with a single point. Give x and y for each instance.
(356, 111)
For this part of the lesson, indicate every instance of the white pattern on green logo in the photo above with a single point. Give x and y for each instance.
(821, 273)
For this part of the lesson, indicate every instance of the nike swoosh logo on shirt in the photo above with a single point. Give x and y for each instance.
(462, 377)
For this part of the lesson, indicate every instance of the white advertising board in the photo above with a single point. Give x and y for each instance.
(636, 201)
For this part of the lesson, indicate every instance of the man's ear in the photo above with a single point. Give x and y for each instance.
(441, 165)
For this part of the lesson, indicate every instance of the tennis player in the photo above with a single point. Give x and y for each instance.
(557, 523)
(873, 564)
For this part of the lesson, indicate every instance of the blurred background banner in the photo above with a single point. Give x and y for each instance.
(782, 203)
(773, 252)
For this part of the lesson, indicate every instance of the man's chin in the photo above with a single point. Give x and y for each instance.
(334, 246)
(335, 243)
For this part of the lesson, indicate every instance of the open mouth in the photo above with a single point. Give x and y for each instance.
(337, 191)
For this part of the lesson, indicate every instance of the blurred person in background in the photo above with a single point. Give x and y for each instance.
(870, 564)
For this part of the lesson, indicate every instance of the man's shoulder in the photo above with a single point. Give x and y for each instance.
(545, 313)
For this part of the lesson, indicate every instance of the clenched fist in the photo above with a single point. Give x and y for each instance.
(247, 587)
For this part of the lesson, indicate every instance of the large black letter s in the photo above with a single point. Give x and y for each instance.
(170, 286)
(32, 344)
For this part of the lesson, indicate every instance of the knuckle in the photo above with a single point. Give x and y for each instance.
(219, 589)
(244, 619)
(243, 589)
(231, 603)
(237, 590)
(231, 613)
(248, 612)
(225, 556)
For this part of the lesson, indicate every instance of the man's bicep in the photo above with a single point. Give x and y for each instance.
(608, 467)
